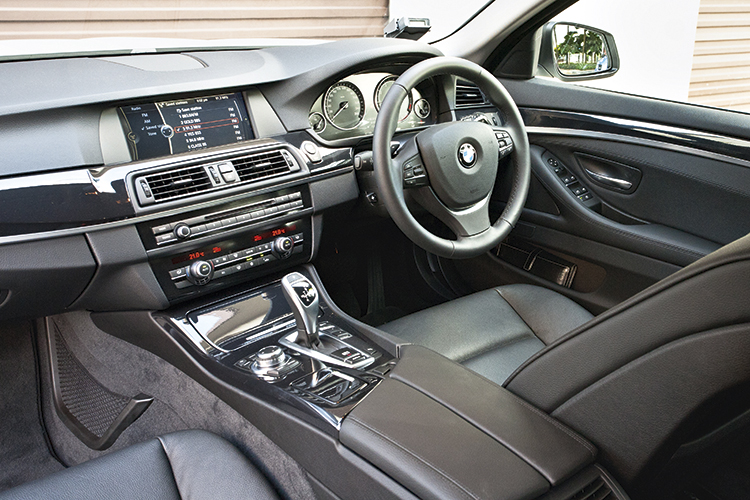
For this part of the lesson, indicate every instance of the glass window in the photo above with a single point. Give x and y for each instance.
(695, 51)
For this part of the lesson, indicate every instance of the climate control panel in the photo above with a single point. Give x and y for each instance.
(207, 266)
(202, 271)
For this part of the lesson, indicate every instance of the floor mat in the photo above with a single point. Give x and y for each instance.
(24, 453)
(179, 403)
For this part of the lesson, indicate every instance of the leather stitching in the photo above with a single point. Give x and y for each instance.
(492, 348)
(499, 345)
(557, 424)
(500, 293)
(412, 454)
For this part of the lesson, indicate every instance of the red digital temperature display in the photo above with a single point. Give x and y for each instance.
(199, 254)
(280, 231)
(204, 253)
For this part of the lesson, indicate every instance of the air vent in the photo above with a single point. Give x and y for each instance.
(177, 183)
(596, 490)
(263, 165)
(469, 95)
(183, 182)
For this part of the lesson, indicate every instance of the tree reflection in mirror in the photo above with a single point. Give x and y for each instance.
(579, 51)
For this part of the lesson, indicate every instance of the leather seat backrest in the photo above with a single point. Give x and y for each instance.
(632, 378)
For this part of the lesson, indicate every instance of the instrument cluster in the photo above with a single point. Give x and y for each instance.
(349, 107)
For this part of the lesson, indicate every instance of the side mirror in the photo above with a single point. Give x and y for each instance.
(574, 52)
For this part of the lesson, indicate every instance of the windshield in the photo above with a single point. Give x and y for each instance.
(44, 28)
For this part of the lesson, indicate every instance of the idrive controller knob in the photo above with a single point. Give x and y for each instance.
(270, 357)
(200, 272)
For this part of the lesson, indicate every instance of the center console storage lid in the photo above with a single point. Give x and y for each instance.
(443, 431)
(434, 452)
(554, 450)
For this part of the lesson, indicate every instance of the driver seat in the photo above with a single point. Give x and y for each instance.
(494, 331)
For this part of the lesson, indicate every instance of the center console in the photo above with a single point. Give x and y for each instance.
(280, 335)
(359, 410)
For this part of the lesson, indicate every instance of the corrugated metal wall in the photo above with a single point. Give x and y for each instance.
(202, 19)
(721, 60)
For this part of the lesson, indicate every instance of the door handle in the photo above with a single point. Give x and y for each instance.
(610, 181)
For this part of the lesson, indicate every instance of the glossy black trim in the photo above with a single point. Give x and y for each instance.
(61, 200)
(541, 121)
(50, 205)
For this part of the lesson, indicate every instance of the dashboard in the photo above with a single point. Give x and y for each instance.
(138, 188)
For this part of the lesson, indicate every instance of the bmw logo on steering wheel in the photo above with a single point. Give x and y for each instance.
(467, 155)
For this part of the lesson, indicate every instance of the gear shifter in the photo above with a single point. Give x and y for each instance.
(303, 299)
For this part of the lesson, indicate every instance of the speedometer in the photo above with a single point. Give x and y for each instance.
(382, 89)
(344, 105)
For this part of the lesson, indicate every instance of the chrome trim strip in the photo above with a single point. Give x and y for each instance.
(22, 238)
(289, 343)
(148, 167)
(569, 132)
(695, 142)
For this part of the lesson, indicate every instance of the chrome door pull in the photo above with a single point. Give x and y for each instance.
(610, 181)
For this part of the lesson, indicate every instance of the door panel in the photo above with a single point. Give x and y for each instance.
(681, 187)
(705, 197)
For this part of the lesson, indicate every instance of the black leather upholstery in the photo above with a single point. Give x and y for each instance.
(549, 447)
(494, 331)
(187, 465)
(635, 377)
(434, 452)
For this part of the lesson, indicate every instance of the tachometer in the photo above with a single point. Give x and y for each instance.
(344, 105)
(382, 89)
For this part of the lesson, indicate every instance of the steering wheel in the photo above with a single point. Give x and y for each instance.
(451, 167)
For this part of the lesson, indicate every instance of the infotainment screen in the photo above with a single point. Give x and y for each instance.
(169, 127)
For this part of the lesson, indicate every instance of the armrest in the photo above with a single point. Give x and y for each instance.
(444, 432)
(432, 451)
(550, 447)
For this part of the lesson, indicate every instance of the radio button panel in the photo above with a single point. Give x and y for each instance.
(186, 229)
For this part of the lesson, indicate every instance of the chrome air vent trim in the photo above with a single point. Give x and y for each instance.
(264, 165)
(177, 183)
(188, 178)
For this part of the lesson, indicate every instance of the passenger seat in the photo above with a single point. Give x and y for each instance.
(194, 465)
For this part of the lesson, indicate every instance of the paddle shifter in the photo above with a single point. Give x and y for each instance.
(303, 299)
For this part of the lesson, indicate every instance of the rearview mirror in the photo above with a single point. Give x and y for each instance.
(574, 52)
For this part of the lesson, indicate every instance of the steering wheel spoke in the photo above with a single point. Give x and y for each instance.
(504, 142)
(464, 223)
